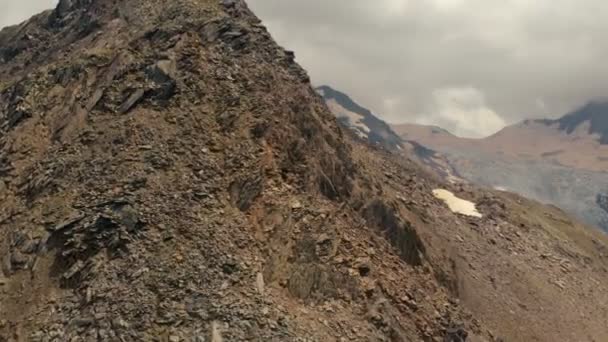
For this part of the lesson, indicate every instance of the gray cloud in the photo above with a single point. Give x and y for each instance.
(15, 11)
(468, 65)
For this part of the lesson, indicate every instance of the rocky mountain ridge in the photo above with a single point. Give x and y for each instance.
(169, 174)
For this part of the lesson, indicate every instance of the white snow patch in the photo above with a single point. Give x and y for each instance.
(355, 120)
(457, 205)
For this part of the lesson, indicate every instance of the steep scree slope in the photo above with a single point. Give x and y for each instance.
(168, 174)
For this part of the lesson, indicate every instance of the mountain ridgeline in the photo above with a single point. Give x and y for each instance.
(168, 173)
(360, 119)
(503, 161)
(595, 114)
(368, 127)
(563, 162)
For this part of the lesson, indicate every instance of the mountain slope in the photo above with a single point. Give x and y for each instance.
(361, 120)
(169, 174)
(562, 161)
(595, 114)
(554, 141)
(368, 127)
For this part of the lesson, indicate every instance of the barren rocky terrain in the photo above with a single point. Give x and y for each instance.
(169, 174)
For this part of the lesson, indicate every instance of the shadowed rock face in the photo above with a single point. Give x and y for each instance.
(400, 234)
(595, 113)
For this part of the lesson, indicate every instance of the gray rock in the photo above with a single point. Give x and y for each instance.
(63, 7)
(244, 191)
(97, 95)
(74, 270)
(18, 260)
(163, 74)
(216, 334)
(162, 71)
(73, 219)
(135, 97)
(229, 3)
(83, 322)
(7, 267)
(455, 334)
(259, 282)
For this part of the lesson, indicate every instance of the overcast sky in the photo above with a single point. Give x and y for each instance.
(470, 66)
(15, 11)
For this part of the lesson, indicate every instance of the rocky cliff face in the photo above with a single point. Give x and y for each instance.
(169, 174)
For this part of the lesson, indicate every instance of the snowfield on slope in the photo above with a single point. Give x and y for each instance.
(457, 205)
(354, 120)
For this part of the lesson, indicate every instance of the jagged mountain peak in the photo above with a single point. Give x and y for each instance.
(360, 120)
(370, 128)
(330, 93)
(594, 114)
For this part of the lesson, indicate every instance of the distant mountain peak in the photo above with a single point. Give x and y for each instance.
(330, 93)
(360, 120)
(595, 113)
(440, 130)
